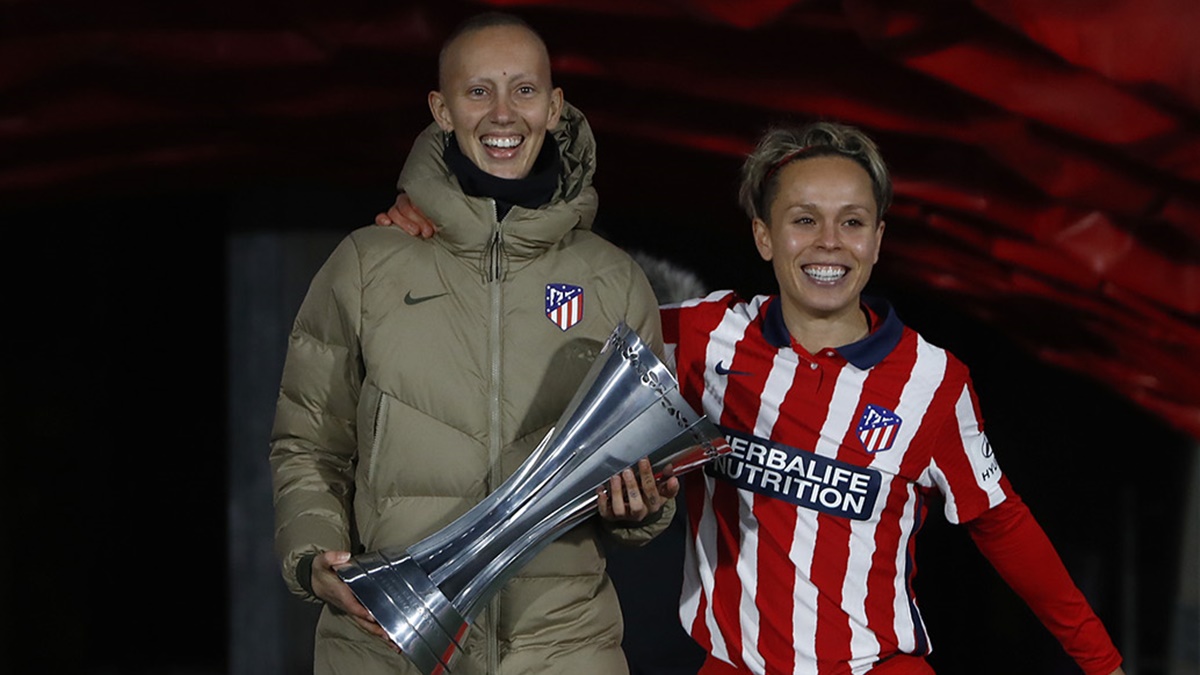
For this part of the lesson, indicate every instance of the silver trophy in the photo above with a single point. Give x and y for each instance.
(627, 407)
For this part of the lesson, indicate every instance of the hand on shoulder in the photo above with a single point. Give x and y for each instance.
(407, 217)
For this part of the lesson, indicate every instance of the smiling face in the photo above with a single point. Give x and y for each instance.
(822, 238)
(497, 98)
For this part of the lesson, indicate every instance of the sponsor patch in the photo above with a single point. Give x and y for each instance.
(989, 469)
(564, 305)
(797, 476)
(877, 428)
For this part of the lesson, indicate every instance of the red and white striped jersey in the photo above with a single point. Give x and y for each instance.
(801, 549)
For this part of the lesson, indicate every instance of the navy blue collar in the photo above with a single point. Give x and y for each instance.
(865, 353)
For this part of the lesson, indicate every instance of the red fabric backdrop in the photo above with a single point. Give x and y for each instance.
(1046, 155)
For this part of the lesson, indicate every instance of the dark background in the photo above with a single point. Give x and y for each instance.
(141, 143)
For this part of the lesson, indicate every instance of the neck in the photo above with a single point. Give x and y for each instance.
(531, 191)
(817, 331)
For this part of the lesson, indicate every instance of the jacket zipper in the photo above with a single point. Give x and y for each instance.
(495, 264)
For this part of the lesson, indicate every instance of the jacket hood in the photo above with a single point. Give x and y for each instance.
(468, 223)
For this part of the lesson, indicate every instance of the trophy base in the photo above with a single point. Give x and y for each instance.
(409, 607)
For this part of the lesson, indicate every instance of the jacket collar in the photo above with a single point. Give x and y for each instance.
(469, 224)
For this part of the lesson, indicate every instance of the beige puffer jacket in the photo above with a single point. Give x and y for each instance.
(420, 374)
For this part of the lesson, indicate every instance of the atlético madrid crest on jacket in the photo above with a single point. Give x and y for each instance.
(877, 428)
(564, 305)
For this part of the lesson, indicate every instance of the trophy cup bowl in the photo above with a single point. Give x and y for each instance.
(627, 407)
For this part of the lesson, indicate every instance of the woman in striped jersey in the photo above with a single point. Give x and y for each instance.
(846, 427)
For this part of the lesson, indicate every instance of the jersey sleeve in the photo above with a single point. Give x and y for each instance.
(686, 327)
(963, 465)
(1017, 547)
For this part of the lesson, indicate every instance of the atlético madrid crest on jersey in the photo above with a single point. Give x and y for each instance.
(877, 428)
(564, 305)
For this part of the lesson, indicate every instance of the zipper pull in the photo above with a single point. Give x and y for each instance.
(495, 254)
(495, 248)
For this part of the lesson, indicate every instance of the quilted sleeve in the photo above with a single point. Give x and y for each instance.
(314, 438)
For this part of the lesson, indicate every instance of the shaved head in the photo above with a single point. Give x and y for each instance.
(479, 22)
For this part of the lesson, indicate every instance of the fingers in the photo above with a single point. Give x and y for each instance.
(401, 220)
(603, 503)
(407, 217)
(324, 579)
(369, 625)
(623, 499)
(649, 487)
(372, 628)
(618, 500)
(611, 501)
(413, 221)
(637, 508)
(328, 586)
(633, 496)
(668, 486)
(669, 489)
(417, 224)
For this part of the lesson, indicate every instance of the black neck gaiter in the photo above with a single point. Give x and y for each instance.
(530, 192)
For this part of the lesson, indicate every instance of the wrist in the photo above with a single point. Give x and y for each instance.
(304, 568)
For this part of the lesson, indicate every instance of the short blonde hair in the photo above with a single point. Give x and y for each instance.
(782, 145)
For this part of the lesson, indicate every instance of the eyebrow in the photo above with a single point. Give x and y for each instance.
(810, 205)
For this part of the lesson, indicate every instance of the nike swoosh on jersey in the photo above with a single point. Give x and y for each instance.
(722, 370)
(410, 299)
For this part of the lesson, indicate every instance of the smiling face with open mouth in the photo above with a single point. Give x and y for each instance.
(497, 97)
(822, 238)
